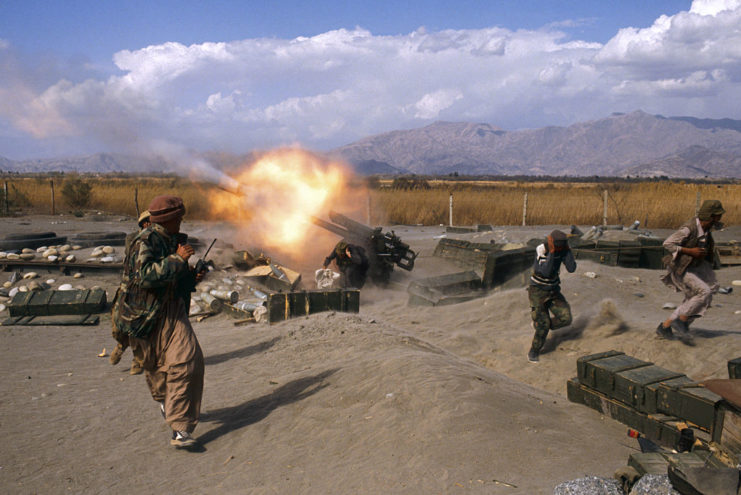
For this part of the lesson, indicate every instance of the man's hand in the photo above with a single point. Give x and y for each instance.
(551, 246)
(199, 276)
(695, 252)
(185, 251)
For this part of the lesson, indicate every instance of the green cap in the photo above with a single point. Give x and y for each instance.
(709, 208)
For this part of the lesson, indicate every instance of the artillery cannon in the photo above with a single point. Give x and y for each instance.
(384, 249)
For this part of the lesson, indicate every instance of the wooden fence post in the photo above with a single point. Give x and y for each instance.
(451, 210)
(524, 210)
(368, 209)
(697, 203)
(6, 200)
(136, 201)
(53, 204)
(604, 208)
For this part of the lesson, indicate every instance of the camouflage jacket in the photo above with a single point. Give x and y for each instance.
(153, 276)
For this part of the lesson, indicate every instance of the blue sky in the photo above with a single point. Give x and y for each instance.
(81, 77)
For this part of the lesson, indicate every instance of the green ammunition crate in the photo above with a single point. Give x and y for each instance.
(509, 269)
(299, 303)
(665, 430)
(661, 429)
(351, 301)
(285, 305)
(698, 405)
(581, 394)
(630, 385)
(599, 374)
(654, 402)
(658, 462)
(734, 368)
(325, 300)
(609, 258)
(58, 302)
(652, 253)
(727, 430)
(279, 308)
(667, 396)
(581, 362)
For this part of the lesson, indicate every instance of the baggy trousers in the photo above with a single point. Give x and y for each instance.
(543, 303)
(173, 365)
(698, 284)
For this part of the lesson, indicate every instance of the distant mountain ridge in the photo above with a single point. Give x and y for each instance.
(622, 144)
(634, 144)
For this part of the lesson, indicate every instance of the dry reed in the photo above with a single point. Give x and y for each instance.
(660, 204)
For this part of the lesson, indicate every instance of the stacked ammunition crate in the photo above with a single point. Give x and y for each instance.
(650, 399)
(285, 305)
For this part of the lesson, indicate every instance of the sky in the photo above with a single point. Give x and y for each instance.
(80, 77)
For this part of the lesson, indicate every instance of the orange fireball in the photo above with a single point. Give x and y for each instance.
(277, 196)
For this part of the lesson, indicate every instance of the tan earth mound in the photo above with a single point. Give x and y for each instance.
(397, 399)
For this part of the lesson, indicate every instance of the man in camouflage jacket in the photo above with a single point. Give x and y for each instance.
(122, 338)
(548, 307)
(690, 270)
(155, 314)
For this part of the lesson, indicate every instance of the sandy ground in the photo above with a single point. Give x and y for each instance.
(395, 399)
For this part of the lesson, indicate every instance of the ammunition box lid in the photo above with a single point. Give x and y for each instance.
(591, 357)
(647, 374)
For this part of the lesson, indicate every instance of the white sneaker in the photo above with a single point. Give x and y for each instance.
(182, 440)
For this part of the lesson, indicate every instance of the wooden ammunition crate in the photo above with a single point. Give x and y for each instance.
(444, 289)
(581, 362)
(658, 462)
(661, 429)
(698, 405)
(509, 269)
(652, 253)
(656, 403)
(284, 305)
(599, 374)
(630, 386)
(734, 368)
(727, 430)
(58, 302)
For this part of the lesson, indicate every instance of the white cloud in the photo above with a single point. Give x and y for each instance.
(431, 104)
(336, 87)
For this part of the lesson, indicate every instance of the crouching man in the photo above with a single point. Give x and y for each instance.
(153, 310)
(690, 270)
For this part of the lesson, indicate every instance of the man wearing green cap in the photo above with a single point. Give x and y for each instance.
(690, 270)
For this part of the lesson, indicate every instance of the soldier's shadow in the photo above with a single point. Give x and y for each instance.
(711, 334)
(252, 411)
(240, 353)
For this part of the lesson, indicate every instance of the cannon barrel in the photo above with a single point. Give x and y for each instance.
(385, 249)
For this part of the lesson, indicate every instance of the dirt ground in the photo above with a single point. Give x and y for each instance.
(395, 399)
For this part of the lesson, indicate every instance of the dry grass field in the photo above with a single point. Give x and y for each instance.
(657, 204)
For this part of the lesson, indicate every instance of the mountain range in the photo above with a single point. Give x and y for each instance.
(632, 144)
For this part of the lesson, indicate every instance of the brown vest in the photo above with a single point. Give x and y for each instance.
(680, 264)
